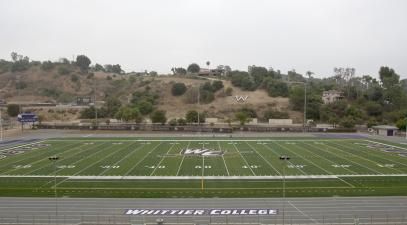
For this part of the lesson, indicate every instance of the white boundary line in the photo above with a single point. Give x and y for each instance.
(206, 177)
(209, 140)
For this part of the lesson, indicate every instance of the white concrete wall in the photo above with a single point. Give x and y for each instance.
(280, 121)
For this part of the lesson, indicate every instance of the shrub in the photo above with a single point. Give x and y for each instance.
(13, 110)
(159, 117)
(178, 89)
(181, 122)
(63, 70)
(275, 114)
(74, 78)
(173, 122)
(217, 85)
(229, 91)
(47, 66)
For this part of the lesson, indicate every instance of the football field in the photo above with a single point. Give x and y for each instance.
(202, 163)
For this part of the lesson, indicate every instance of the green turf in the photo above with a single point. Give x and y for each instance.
(242, 157)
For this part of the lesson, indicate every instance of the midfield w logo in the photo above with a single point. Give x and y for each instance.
(241, 98)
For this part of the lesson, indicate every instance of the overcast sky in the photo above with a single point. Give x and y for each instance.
(314, 35)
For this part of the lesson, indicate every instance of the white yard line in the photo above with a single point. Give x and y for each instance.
(223, 158)
(182, 160)
(128, 171)
(124, 157)
(357, 157)
(162, 159)
(103, 158)
(286, 160)
(375, 162)
(308, 160)
(19, 146)
(320, 156)
(244, 159)
(71, 156)
(14, 162)
(386, 144)
(42, 159)
(264, 159)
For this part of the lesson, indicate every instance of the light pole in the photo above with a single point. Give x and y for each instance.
(96, 109)
(285, 159)
(1, 127)
(54, 159)
(199, 96)
(305, 102)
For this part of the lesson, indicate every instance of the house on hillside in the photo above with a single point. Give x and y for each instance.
(211, 72)
(331, 96)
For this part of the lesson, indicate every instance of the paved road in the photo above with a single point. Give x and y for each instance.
(378, 210)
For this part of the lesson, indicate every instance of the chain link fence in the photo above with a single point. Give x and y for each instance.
(377, 219)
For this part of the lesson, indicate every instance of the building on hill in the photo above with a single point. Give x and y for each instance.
(211, 72)
(331, 96)
(385, 130)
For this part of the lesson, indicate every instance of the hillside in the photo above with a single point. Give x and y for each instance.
(63, 83)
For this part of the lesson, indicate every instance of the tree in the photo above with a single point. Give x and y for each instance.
(373, 109)
(276, 88)
(145, 107)
(208, 63)
(99, 67)
(217, 85)
(13, 110)
(181, 122)
(20, 62)
(178, 89)
(192, 117)
(172, 122)
(112, 105)
(159, 117)
(83, 62)
(127, 114)
(242, 117)
(193, 68)
(388, 77)
(259, 74)
(401, 124)
(179, 71)
(347, 122)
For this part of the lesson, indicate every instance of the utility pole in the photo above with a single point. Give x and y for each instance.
(305, 106)
(285, 159)
(199, 96)
(54, 159)
(96, 108)
(1, 127)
